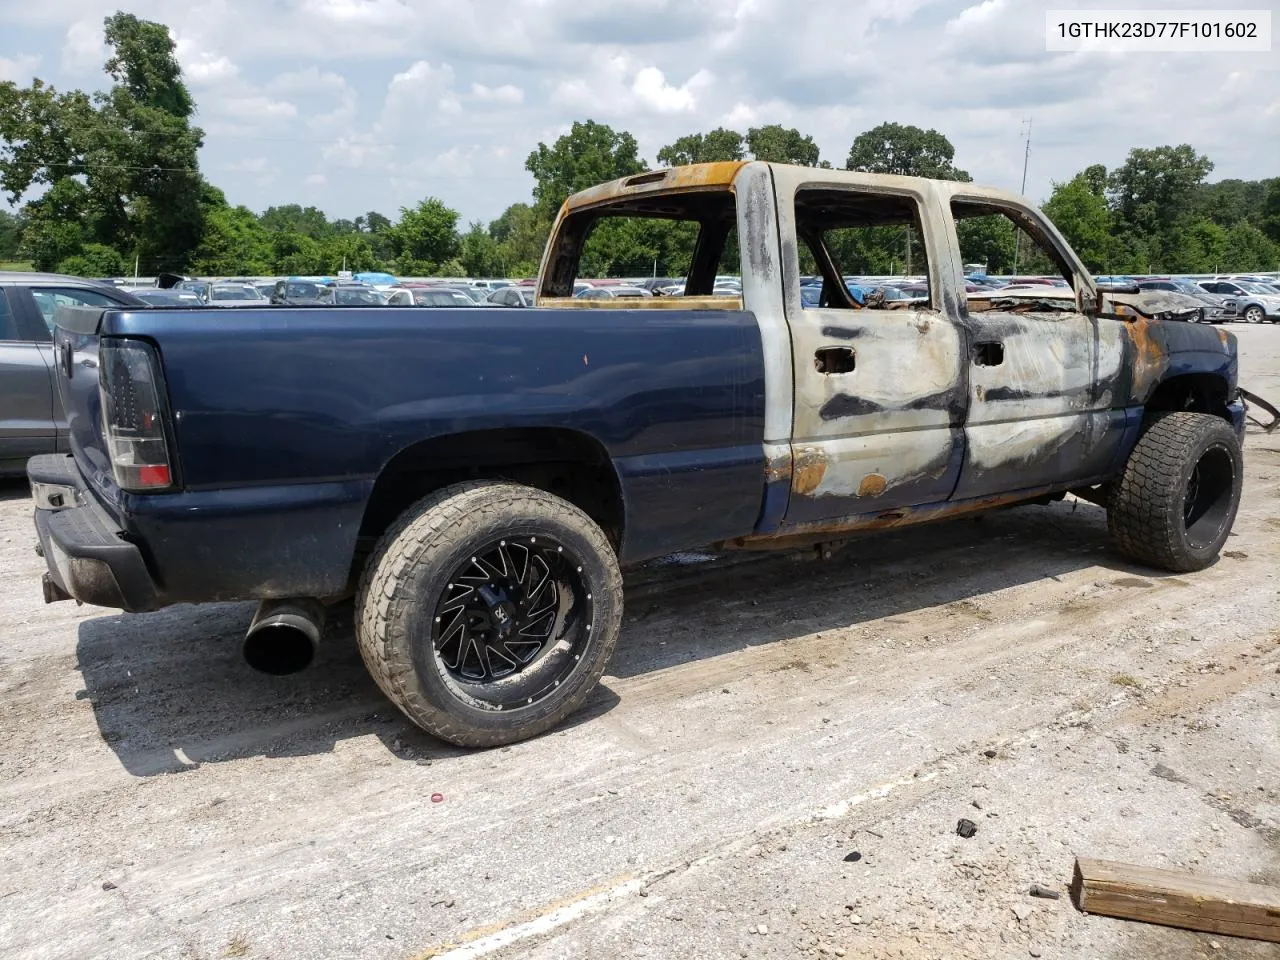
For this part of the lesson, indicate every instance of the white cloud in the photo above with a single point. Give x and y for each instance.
(503, 94)
(978, 15)
(382, 13)
(18, 69)
(420, 90)
(741, 116)
(83, 51)
(448, 98)
(309, 80)
(355, 151)
(315, 180)
(654, 93)
(254, 107)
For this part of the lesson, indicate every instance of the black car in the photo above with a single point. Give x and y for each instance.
(32, 420)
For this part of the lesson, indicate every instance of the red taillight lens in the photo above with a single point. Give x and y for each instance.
(133, 415)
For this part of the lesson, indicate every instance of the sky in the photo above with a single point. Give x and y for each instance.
(357, 105)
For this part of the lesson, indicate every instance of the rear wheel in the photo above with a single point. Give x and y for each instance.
(1174, 504)
(489, 612)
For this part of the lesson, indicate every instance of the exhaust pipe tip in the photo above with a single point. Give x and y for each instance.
(284, 636)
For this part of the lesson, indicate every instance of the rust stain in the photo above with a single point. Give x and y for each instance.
(777, 469)
(1149, 356)
(810, 533)
(872, 485)
(809, 469)
(697, 176)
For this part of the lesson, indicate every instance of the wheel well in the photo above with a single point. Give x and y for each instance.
(566, 463)
(1197, 392)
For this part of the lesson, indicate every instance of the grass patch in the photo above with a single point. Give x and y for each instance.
(21, 266)
(1124, 680)
(238, 946)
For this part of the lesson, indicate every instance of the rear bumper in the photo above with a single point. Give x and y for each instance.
(86, 552)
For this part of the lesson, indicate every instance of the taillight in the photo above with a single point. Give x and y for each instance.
(133, 415)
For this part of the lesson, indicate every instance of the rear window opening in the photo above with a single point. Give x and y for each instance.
(861, 251)
(689, 240)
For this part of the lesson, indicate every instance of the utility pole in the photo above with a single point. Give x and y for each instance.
(1026, 159)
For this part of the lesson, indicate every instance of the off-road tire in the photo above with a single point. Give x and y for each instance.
(405, 579)
(1146, 510)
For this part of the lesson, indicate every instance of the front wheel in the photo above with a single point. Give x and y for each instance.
(488, 613)
(1254, 314)
(1174, 504)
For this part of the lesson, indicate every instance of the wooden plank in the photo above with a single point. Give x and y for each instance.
(1175, 898)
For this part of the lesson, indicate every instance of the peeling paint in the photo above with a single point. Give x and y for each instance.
(809, 468)
(849, 464)
(1003, 444)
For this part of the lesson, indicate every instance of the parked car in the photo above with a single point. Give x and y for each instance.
(235, 295)
(612, 293)
(32, 420)
(1214, 307)
(299, 292)
(477, 482)
(167, 298)
(351, 295)
(1254, 302)
(441, 297)
(511, 297)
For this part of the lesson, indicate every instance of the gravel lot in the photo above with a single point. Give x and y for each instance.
(763, 723)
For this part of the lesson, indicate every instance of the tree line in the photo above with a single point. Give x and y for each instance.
(119, 184)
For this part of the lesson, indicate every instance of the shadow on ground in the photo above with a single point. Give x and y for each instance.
(170, 691)
(14, 488)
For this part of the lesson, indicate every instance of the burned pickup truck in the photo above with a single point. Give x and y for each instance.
(476, 478)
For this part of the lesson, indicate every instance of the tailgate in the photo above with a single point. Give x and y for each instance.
(76, 360)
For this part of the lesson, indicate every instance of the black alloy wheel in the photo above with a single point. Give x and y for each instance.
(511, 621)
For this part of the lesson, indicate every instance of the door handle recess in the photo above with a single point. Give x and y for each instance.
(989, 354)
(829, 360)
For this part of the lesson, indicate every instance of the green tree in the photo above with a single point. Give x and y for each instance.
(54, 228)
(590, 153)
(293, 218)
(94, 260)
(427, 233)
(351, 251)
(1269, 215)
(11, 227)
(521, 234)
(1228, 202)
(1157, 187)
(990, 239)
(132, 149)
(1152, 198)
(905, 150)
(479, 252)
(1247, 248)
(1095, 177)
(719, 144)
(778, 144)
(234, 243)
(295, 253)
(1082, 216)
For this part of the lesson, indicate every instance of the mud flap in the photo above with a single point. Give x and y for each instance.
(1253, 400)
